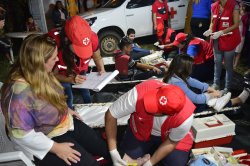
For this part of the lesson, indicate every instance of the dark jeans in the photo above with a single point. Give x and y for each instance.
(143, 75)
(135, 148)
(199, 26)
(203, 72)
(85, 140)
(68, 92)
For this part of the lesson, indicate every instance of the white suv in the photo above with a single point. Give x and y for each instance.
(112, 20)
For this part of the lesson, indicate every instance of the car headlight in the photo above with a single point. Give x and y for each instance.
(91, 21)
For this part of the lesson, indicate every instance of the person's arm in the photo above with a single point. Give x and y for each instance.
(197, 84)
(98, 61)
(124, 106)
(163, 150)
(111, 130)
(147, 67)
(154, 21)
(175, 135)
(236, 20)
(194, 97)
(73, 79)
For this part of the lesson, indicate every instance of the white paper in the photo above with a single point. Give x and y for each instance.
(95, 81)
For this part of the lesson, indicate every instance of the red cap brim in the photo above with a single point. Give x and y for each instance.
(83, 52)
(150, 102)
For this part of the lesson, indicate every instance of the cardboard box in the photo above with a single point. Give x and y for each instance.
(212, 131)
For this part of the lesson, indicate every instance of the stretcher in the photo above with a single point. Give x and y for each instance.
(106, 61)
(93, 114)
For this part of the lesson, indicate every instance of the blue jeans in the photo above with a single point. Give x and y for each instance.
(135, 148)
(228, 57)
(68, 92)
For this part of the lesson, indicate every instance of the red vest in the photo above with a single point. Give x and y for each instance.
(220, 22)
(141, 122)
(205, 50)
(167, 40)
(168, 35)
(121, 63)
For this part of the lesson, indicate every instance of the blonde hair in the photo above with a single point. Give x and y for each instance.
(196, 1)
(30, 65)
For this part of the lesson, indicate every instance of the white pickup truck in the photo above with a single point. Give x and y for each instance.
(112, 20)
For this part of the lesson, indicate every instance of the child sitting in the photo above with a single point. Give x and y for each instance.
(128, 68)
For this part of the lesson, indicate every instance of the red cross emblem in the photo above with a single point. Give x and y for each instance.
(163, 100)
(172, 12)
(85, 41)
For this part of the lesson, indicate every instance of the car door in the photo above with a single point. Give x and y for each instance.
(178, 11)
(139, 16)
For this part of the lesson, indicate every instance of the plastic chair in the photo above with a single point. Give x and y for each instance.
(8, 155)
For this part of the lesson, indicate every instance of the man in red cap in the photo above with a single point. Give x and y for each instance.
(160, 120)
(201, 51)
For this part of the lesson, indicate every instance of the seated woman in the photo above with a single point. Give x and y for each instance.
(130, 69)
(179, 74)
(201, 51)
(38, 120)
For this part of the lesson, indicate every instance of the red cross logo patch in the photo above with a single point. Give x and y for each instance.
(85, 41)
(172, 12)
(163, 100)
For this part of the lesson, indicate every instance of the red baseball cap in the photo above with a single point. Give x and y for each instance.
(180, 37)
(79, 33)
(168, 99)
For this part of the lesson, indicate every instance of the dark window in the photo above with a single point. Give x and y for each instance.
(113, 3)
(139, 3)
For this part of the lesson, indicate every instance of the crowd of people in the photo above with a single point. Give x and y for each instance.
(37, 97)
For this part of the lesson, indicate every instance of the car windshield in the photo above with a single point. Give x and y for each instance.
(113, 3)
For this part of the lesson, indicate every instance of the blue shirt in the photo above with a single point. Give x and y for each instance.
(194, 97)
(202, 9)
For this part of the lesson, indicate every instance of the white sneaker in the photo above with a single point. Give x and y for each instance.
(222, 101)
(212, 102)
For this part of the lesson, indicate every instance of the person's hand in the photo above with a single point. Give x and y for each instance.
(161, 46)
(101, 72)
(156, 43)
(148, 163)
(207, 33)
(215, 93)
(151, 51)
(75, 114)
(157, 70)
(210, 89)
(65, 152)
(79, 79)
(216, 35)
(116, 158)
(2, 23)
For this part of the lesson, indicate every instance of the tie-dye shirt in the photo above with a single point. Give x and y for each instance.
(24, 111)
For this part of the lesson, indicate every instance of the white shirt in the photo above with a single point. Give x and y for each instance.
(126, 104)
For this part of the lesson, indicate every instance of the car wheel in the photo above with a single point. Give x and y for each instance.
(109, 42)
